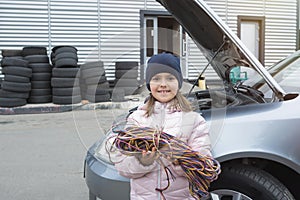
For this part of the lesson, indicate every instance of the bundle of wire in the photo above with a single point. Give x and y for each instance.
(200, 170)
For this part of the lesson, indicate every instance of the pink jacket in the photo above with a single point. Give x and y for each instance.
(189, 127)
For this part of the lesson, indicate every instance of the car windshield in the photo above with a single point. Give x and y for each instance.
(287, 73)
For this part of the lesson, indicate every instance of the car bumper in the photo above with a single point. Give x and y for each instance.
(104, 181)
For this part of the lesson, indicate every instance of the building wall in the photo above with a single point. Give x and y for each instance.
(110, 29)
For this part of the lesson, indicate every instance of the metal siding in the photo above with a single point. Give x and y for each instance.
(75, 23)
(120, 32)
(78, 23)
(281, 29)
(23, 23)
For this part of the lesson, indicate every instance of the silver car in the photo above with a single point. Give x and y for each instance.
(253, 113)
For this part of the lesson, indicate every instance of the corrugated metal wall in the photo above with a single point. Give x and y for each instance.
(50, 23)
(114, 25)
(120, 32)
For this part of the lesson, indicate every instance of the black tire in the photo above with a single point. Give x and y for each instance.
(104, 85)
(65, 62)
(37, 59)
(126, 82)
(34, 50)
(250, 183)
(41, 76)
(66, 99)
(59, 49)
(65, 72)
(11, 52)
(130, 90)
(98, 98)
(13, 61)
(125, 65)
(95, 80)
(40, 84)
(127, 74)
(97, 91)
(89, 65)
(17, 71)
(40, 99)
(118, 95)
(41, 92)
(10, 94)
(72, 91)
(92, 72)
(12, 102)
(63, 55)
(64, 82)
(16, 87)
(18, 79)
(40, 67)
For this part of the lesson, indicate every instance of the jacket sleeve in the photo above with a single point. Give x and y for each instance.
(129, 166)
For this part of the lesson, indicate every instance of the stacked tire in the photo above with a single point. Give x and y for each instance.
(65, 75)
(38, 60)
(95, 87)
(126, 83)
(16, 85)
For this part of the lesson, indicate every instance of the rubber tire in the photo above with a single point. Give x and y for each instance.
(64, 82)
(41, 76)
(125, 65)
(95, 80)
(11, 52)
(98, 98)
(13, 61)
(40, 99)
(127, 74)
(40, 67)
(65, 62)
(89, 65)
(16, 87)
(63, 55)
(97, 91)
(118, 95)
(41, 92)
(37, 58)
(92, 72)
(59, 49)
(40, 84)
(65, 72)
(126, 82)
(18, 79)
(18, 71)
(72, 91)
(34, 50)
(10, 94)
(12, 102)
(66, 99)
(252, 182)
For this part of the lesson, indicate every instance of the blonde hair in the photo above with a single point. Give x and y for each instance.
(178, 103)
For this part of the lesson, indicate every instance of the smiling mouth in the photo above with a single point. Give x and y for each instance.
(164, 91)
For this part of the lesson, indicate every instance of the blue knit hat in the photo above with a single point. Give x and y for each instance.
(164, 62)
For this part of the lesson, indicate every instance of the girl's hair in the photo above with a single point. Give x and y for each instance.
(178, 103)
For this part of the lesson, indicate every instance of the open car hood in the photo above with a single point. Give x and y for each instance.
(215, 39)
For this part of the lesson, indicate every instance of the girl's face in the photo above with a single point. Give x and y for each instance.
(164, 87)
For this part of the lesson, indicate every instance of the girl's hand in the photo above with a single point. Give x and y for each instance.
(148, 158)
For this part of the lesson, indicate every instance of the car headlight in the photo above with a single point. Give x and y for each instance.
(105, 149)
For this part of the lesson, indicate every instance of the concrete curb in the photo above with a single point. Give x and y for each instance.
(54, 108)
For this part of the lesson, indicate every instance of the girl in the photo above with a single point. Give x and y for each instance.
(168, 110)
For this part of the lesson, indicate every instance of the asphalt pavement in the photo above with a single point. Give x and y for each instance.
(43, 146)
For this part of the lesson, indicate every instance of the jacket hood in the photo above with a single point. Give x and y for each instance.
(214, 38)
